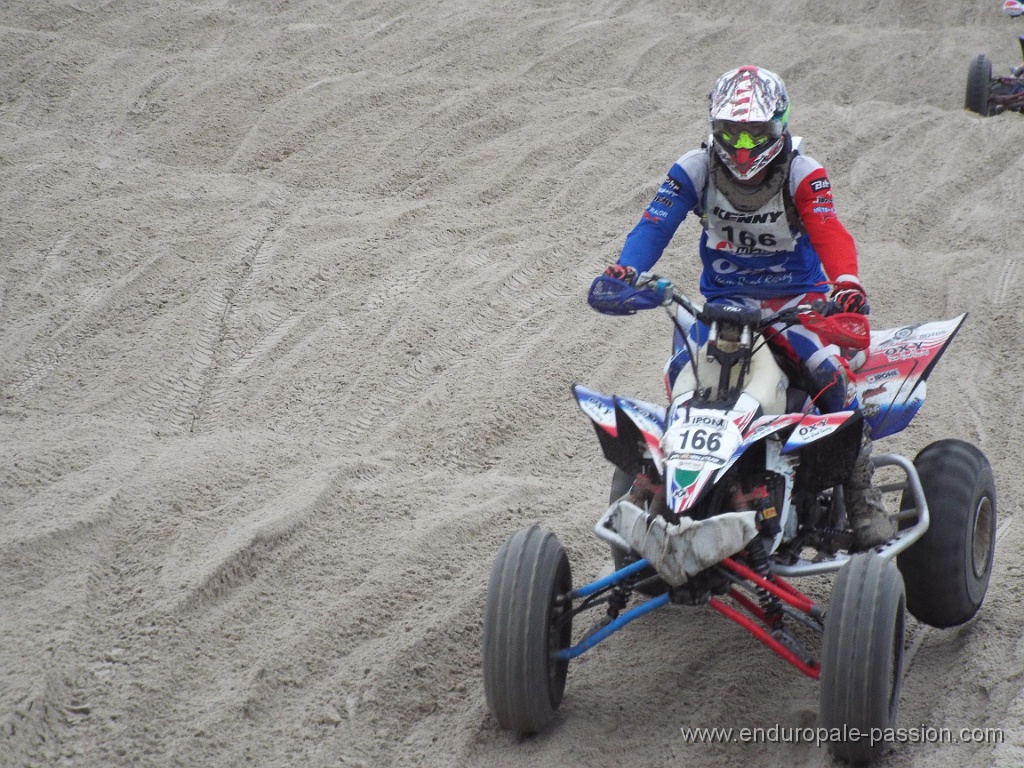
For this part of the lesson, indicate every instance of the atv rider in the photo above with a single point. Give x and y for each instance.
(771, 239)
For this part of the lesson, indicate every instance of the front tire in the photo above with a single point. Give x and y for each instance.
(526, 622)
(947, 570)
(862, 656)
(979, 80)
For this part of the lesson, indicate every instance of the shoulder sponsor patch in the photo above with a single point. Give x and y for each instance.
(819, 184)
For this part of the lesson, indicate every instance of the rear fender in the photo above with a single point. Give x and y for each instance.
(629, 430)
(891, 383)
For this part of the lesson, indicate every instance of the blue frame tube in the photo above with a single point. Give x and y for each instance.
(612, 578)
(634, 613)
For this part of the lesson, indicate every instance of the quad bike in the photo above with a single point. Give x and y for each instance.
(721, 497)
(988, 95)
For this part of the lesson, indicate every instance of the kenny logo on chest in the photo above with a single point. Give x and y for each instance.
(759, 217)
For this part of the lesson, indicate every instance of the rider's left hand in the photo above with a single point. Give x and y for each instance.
(850, 297)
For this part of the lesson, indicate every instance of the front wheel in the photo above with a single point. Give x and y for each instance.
(862, 657)
(947, 570)
(527, 620)
(979, 80)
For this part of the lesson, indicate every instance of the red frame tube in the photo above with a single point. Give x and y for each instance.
(812, 670)
(780, 589)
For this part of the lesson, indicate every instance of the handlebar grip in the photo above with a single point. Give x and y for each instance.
(825, 307)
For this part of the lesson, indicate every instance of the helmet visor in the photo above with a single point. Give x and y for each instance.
(745, 135)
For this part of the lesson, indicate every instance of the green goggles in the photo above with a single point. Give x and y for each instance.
(744, 135)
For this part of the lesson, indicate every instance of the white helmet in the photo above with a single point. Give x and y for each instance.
(749, 112)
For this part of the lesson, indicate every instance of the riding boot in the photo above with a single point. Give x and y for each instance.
(871, 524)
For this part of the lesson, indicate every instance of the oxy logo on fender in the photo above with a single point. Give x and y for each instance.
(809, 432)
(598, 409)
(905, 351)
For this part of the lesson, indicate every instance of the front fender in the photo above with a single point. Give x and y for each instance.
(628, 430)
(813, 427)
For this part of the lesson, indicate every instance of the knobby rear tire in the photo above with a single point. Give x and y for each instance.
(947, 570)
(979, 82)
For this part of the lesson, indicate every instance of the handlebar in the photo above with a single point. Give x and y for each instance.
(709, 312)
(619, 297)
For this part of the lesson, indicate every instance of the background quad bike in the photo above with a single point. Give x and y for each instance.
(988, 95)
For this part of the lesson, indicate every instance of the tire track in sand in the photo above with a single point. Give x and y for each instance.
(193, 394)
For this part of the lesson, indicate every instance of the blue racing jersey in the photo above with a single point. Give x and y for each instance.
(760, 253)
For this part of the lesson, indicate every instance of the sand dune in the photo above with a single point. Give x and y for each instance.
(291, 298)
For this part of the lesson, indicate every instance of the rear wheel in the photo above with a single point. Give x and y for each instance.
(526, 623)
(979, 80)
(862, 657)
(947, 570)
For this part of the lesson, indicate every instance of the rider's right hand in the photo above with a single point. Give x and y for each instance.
(622, 272)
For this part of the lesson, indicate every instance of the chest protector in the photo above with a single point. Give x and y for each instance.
(750, 220)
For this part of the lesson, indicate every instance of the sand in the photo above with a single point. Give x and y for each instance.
(291, 298)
